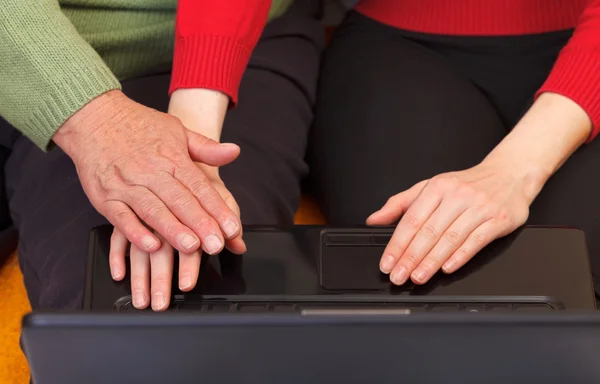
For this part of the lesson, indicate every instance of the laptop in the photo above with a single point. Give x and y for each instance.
(308, 268)
(308, 304)
(251, 348)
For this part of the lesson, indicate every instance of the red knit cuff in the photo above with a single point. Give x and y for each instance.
(576, 75)
(211, 62)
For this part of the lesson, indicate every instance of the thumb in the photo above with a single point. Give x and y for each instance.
(207, 151)
(396, 205)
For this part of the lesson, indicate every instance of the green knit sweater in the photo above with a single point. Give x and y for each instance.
(57, 55)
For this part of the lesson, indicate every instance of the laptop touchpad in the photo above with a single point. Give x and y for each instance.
(350, 261)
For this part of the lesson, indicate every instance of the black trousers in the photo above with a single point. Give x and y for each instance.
(277, 95)
(395, 108)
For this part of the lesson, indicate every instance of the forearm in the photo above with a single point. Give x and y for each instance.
(200, 110)
(551, 131)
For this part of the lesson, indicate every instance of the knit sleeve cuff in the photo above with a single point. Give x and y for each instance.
(66, 99)
(576, 75)
(211, 62)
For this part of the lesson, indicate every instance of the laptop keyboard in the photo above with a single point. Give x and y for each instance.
(282, 307)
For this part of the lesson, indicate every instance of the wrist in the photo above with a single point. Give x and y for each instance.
(200, 110)
(529, 174)
(87, 121)
(549, 133)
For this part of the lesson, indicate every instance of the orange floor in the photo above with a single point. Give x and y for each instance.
(14, 304)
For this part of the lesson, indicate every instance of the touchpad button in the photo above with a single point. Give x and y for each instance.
(351, 262)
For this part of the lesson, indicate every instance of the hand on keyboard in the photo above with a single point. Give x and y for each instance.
(152, 273)
(445, 221)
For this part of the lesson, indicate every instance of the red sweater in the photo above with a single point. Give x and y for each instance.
(214, 39)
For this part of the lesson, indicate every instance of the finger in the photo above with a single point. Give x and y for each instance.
(411, 222)
(116, 257)
(210, 200)
(189, 268)
(396, 205)
(430, 233)
(161, 272)
(475, 242)
(122, 217)
(188, 210)
(237, 244)
(207, 151)
(156, 214)
(451, 239)
(140, 277)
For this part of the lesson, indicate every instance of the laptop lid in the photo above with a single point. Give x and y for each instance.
(294, 348)
(549, 265)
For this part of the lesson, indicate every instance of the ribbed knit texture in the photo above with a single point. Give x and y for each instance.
(220, 71)
(576, 73)
(55, 60)
(214, 53)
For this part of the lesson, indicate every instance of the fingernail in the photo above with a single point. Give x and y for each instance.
(185, 282)
(149, 242)
(116, 273)
(399, 276)
(449, 266)
(212, 244)
(158, 301)
(419, 276)
(387, 263)
(187, 241)
(230, 228)
(139, 299)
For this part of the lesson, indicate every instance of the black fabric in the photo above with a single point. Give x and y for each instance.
(396, 107)
(271, 124)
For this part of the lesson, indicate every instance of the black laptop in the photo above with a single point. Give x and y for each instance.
(310, 268)
(308, 304)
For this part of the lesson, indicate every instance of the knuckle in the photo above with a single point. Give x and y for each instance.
(479, 239)
(410, 259)
(504, 216)
(412, 221)
(446, 181)
(205, 225)
(462, 254)
(180, 201)
(394, 248)
(120, 216)
(431, 264)
(429, 231)
(151, 211)
(453, 237)
(138, 283)
(161, 279)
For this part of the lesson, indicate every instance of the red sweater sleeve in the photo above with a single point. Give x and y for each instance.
(213, 42)
(576, 73)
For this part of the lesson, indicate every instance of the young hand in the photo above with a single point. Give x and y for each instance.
(445, 221)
